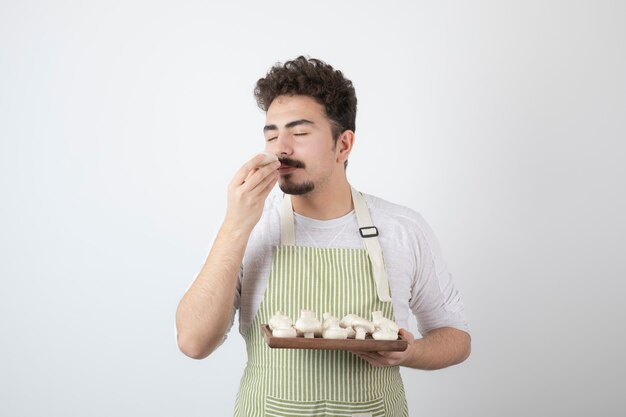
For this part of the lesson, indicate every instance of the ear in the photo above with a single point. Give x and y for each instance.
(344, 146)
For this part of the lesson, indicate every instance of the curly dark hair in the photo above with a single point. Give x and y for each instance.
(316, 79)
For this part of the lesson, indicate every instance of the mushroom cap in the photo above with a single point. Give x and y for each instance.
(269, 157)
(279, 320)
(327, 316)
(285, 332)
(306, 324)
(308, 314)
(385, 335)
(335, 333)
(376, 315)
(383, 322)
(347, 320)
(330, 321)
(361, 323)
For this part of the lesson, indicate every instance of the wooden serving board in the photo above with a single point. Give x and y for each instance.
(367, 345)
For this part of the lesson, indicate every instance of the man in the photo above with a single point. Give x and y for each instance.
(320, 247)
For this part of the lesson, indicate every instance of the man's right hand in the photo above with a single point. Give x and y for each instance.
(247, 193)
(204, 313)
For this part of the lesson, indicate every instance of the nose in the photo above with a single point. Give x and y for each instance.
(282, 145)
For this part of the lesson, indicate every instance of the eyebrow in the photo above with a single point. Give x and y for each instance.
(289, 125)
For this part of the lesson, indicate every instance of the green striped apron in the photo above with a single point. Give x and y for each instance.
(316, 383)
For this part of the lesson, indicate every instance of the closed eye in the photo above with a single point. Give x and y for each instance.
(271, 139)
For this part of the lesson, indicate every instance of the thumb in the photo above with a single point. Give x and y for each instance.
(407, 335)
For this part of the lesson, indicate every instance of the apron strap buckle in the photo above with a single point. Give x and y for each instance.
(368, 231)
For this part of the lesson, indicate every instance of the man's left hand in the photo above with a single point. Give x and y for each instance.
(381, 359)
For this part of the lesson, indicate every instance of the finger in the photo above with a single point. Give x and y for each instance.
(391, 357)
(250, 174)
(363, 356)
(383, 358)
(265, 186)
(243, 171)
(271, 183)
(261, 174)
(369, 355)
(373, 361)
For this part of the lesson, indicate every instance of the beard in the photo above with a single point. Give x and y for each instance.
(296, 189)
(289, 187)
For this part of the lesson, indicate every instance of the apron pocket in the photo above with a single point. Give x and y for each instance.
(278, 407)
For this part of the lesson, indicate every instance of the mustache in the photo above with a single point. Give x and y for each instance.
(291, 162)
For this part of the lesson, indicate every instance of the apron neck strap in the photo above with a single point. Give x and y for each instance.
(287, 223)
(368, 232)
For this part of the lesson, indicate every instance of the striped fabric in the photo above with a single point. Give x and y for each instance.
(275, 407)
(296, 382)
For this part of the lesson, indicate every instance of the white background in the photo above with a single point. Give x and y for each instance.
(121, 123)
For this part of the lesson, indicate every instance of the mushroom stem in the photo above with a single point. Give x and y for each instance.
(360, 333)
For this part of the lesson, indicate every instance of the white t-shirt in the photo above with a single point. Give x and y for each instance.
(418, 277)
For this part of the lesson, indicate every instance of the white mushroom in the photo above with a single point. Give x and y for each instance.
(385, 334)
(279, 321)
(384, 323)
(385, 329)
(334, 331)
(281, 325)
(308, 325)
(351, 332)
(269, 157)
(286, 332)
(362, 327)
(329, 319)
(348, 319)
(346, 323)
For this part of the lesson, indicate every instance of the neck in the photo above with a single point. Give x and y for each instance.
(327, 204)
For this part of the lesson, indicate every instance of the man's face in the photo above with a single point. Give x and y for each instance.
(298, 131)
